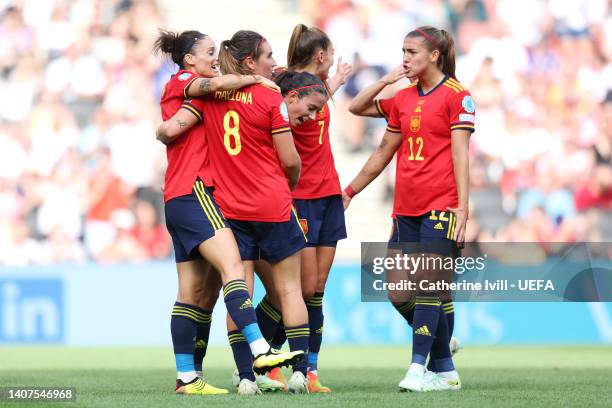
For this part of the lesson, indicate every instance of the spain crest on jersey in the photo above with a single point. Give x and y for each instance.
(415, 123)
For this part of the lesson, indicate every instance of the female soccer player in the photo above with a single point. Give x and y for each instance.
(317, 197)
(430, 123)
(365, 103)
(198, 229)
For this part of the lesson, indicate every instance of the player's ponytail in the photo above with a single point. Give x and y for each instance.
(304, 44)
(176, 45)
(234, 51)
(303, 83)
(443, 42)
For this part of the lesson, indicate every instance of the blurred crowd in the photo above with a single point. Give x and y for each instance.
(81, 173)
(540, 72)
(80, 170)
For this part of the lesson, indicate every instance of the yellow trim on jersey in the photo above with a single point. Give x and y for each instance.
(212, 207)
(192, 110)
(380, 109)
(298, 222)
(280, 130)
(394, 130)
(188, 85)
(463, 126)
(456, 83)
(453, 87)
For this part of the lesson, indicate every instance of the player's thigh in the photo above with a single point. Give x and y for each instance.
(286, 276)
(264, 271)
(222, 253)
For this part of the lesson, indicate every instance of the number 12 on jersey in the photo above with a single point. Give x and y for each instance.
(415, 144)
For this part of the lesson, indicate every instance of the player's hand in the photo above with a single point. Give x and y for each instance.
(462, 216)
(346, 200)
(343, 71)
(267, 82)
(392, 77)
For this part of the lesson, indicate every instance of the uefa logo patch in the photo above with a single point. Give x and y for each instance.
(283, 111)
(468, 104)
(184, 76)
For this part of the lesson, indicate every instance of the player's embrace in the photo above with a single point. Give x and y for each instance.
(429, 125)
(200, 233)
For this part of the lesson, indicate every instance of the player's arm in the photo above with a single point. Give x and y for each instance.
(171, 129)
(378, 160)
(204, 86)
(342, 72)
(460, 141)
(288, 157)
(363, 103)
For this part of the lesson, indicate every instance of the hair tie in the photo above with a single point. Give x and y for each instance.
(428, 37)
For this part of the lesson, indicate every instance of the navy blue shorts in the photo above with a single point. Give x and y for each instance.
(270, 241)
(436, 229)
(322, 220)
(192, 219)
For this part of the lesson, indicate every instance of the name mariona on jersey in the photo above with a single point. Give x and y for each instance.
(235, 95)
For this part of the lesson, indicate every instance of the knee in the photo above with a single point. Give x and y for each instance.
(208, 299)
(308, 293)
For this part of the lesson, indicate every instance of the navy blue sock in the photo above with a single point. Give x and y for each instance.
(315, 320)
(280, 337)
(406, 309)
(202, 335)
(449, 312)
(440, 354)
(240, 308)
(183, 328)
(242, 355)
(268, 318)
(298, 337)
(425, 326)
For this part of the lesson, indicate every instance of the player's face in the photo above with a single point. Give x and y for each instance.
(327, 60)
(264, 65)
(305, 108)
(203, 58)
(417, 58)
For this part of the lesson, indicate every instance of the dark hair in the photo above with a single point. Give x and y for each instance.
(302, 82)
(442, 41)
(177, 45)
(234, 51)
(303, 45)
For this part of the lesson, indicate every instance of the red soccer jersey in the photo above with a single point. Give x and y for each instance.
(318, 177)
(425, 178)
(188, 155)
(250, 184)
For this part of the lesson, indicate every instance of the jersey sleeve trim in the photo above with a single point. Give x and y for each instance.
(188, 85)
(380, 109)
(280, 130)
(193, 110)
(463, 126)
(393, 129)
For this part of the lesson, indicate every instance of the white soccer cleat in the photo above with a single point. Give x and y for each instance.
(436, 382)
(248, 387)
(235, 378)
(298, 384)
(413, 381)
(455, 345)
(267, 384)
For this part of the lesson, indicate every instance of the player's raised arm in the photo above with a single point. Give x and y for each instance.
(343, 71)
(183, 120)
(288, 156)
(376, 163)
(203, 86)
(363, 104)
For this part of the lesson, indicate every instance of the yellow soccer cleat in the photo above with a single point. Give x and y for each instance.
(276, 358)
(198, 387)
(314, 385)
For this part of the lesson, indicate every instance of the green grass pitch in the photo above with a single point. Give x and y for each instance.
(543, 376)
